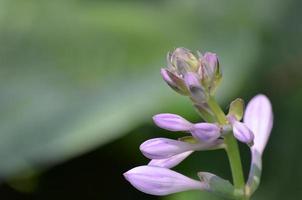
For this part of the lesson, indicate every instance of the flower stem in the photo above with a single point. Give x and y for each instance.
(231, 149)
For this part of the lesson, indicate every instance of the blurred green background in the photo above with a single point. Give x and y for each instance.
(79, 83)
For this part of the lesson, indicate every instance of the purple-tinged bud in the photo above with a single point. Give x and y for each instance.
(171, 122)
(194, 86)
(162, 148)
(243, 133)
(206, 132)
(211, 74)
(160, 181)
(210, 60)
(174, 81)
(259, 118)
(183, 60)
(171, 161)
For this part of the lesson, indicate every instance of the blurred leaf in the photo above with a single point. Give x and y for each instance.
(76, 74)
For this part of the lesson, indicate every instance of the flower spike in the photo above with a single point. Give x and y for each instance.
(197, 77)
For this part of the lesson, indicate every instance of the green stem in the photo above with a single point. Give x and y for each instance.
(231, 149)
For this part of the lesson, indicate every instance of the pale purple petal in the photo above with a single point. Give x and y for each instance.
(259, 118)
(205, 131)
(171, 161)
(167, 78)
(194, 86)
(171, 122)
(192, 80)
(161, 148)
(243, 133)
(160, 181)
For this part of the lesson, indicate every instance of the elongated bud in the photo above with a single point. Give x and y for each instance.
(195, 88)
(236, 109)
(160, 181)
(243, 133)
(161, 148)
(183, 60)
(174, 81)
(171, 161)
(259, 118)
(205, 131)
(211, 74)
(217, 185)
(171, 122)
(210, 60)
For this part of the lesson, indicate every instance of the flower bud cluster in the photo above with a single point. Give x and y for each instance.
(198, 78)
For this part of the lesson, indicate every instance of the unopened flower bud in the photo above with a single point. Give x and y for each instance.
(161, 148)
(160, 181)
(211, 74)
(174, 81)
(243, 133)
(259, 118)
(194, 86)
(205, 131)
(212, 63)
(183, 61)
(171, 122)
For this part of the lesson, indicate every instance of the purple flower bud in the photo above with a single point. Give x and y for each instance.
(171, 161)
(160, 181)
(162, 148)
(243, 133)
(211, 74)
(167, 78)
(259, 118)
(211, 64)
(174, 81)
(194, 86)
(206, 132)
(171, 122)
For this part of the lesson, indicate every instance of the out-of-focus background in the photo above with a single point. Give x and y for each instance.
(79, 83)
